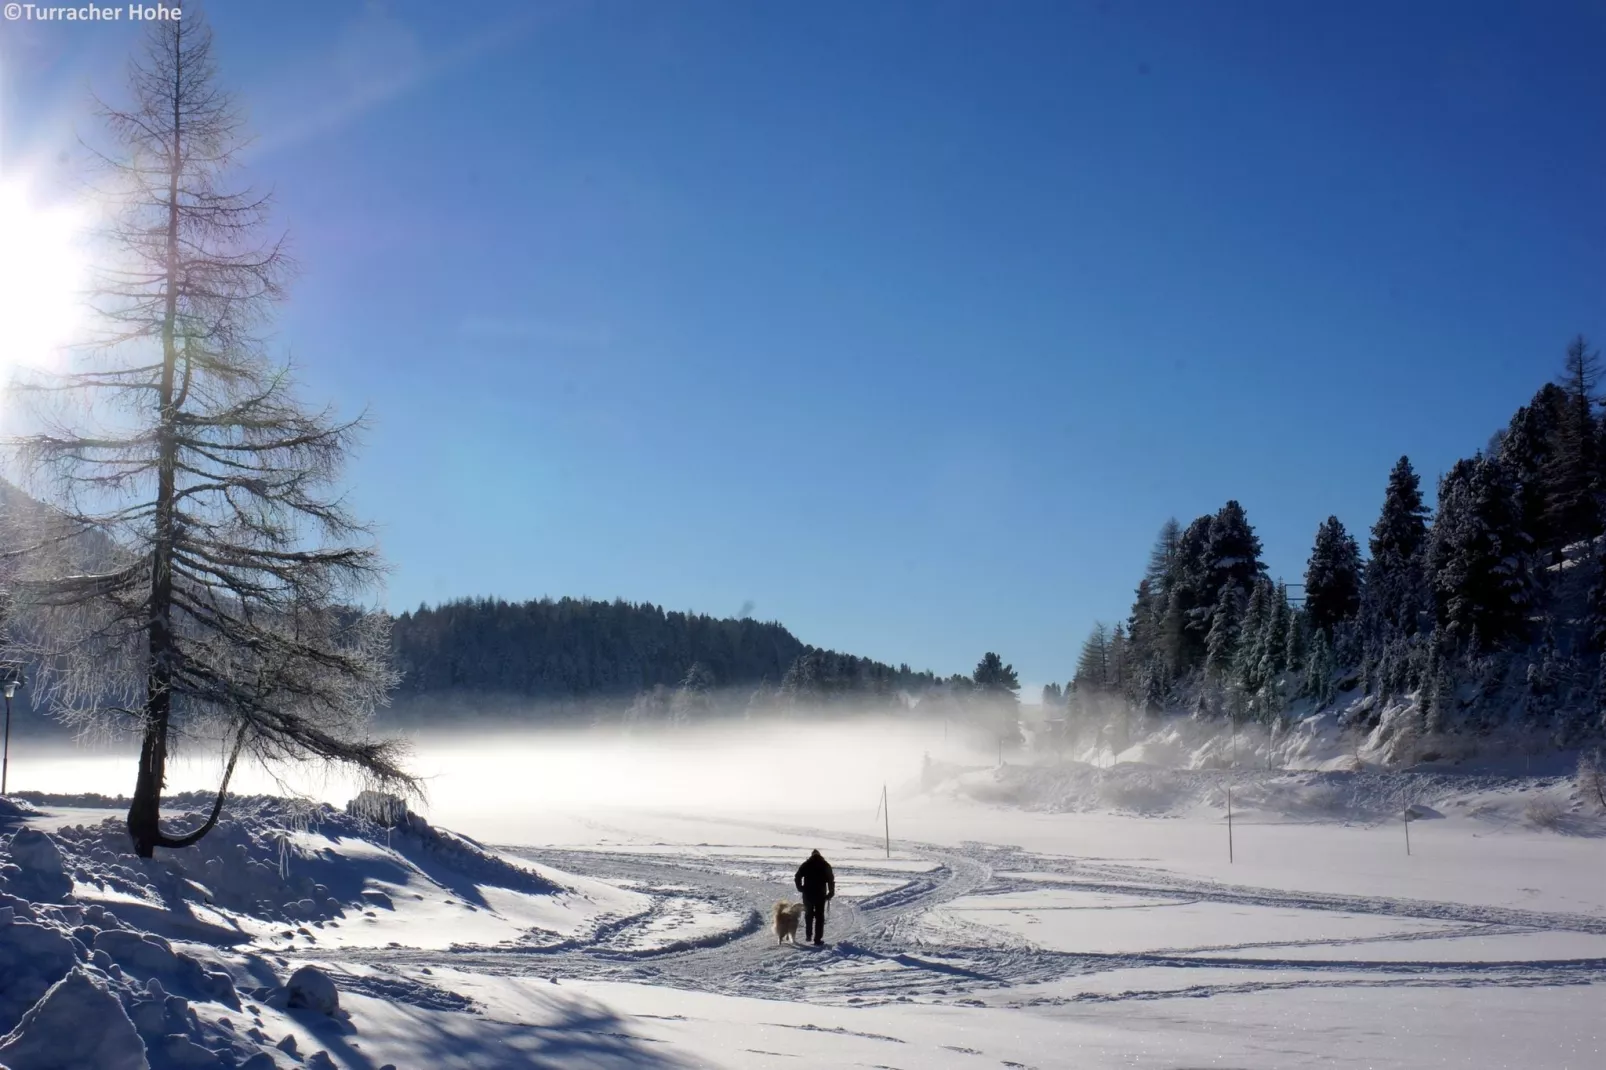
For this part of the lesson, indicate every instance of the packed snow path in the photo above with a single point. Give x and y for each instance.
(924, 933)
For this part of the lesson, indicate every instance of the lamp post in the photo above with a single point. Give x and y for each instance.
(12, 679)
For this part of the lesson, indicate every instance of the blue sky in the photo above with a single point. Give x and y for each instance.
(909, 323)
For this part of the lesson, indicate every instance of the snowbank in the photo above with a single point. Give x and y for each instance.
(1551, 803)
(183, 962)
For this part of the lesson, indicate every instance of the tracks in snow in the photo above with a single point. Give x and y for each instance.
(887, 947)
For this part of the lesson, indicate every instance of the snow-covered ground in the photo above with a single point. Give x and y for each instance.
(1026, 917)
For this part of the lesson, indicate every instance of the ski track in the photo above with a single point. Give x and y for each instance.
(880, 951)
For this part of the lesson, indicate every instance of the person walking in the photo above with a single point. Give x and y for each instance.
(818, 885)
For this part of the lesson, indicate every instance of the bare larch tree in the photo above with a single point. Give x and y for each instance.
(224, 602)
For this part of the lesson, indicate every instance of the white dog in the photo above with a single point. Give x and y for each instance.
(786, 915)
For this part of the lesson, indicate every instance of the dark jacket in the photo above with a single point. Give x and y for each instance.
(815, 879)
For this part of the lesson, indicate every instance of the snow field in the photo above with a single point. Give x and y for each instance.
(1037, 929)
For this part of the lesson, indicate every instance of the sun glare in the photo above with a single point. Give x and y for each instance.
(41, 280)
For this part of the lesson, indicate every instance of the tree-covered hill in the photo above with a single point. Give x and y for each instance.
(568, 648)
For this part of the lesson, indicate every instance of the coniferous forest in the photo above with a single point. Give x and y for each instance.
(1484, 616)
(670, 667)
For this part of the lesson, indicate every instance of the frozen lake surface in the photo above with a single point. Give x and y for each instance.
(992, 936)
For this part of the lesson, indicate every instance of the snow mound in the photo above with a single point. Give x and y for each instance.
(13, 810)
(277, 860)
(1334, 795)
(112, 961)
(311, 988)
(77, 1023)
(35, 869)
(32, 958)
(1078, 788)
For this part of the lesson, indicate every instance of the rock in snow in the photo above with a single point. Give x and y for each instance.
(78, 1023)
(311, 988)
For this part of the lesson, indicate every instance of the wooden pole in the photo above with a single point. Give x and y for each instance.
(886, 818)
(1230, 858)
(1405, 812)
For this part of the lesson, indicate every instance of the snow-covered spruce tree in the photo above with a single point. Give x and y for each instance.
(1296, 646)
(1529, 451)
(1163, 555)
(1394, 597)
(1190, 600)
(1093, 663)
(1249, 658)
(1232, 552)
(1119, 681)
(1479, 559)
(1274, 641)
(1319, 670)
(1145, 625)
(1143, 632)
(1593, 632)
(1542, 680)
(650, 708)
(1221, 646)
(761, 700)
(998, 688)
(1434, 688)
(694, 697)
(1262, 672)
(802, 684)
(1572, 489)
(1449, 556)
(1333, 578)
(228, 607)
(1173, 643)
(1154, 686)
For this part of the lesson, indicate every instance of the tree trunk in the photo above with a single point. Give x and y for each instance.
(144, 811)
(145, 815)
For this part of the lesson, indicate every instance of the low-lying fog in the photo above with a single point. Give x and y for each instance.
(485, 782)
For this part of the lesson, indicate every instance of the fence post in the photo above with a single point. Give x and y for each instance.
(1405, 812)
(886, 818)
(1230, 858)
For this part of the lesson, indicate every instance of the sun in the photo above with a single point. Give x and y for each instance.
(42, 275)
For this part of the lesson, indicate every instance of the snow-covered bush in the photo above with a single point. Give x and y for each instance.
(1591, 780)
(1542, 811)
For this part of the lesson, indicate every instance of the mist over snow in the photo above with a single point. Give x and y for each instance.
(483, 776)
